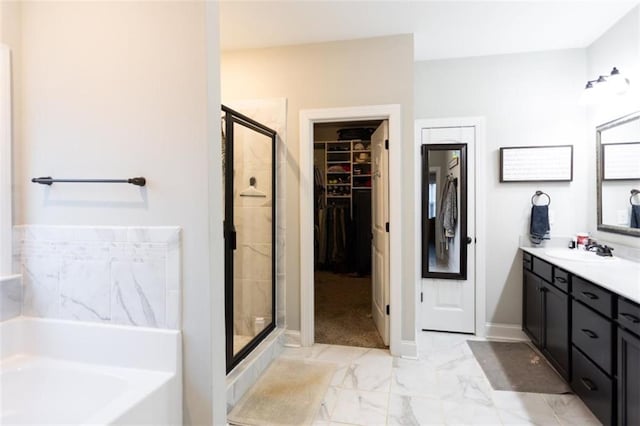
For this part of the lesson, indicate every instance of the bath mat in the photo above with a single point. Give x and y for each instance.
(288, 393)
(515, 366)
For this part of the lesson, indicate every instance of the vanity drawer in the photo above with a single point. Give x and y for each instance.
(593, 335)
(629, 315)
(593, 387)
(526, 260)
(593, 296)
(561, 279)
(543, 269)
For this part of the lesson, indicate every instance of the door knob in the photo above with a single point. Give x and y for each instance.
(469, 240)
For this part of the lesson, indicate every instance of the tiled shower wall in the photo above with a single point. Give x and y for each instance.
(253, 220)
(118, 275)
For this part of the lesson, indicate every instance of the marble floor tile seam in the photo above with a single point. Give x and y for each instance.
(412, 414)
(367, 408)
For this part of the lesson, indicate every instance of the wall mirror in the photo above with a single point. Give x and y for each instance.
(618, 186)
(444, 211)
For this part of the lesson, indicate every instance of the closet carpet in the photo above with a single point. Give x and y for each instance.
(343, 311)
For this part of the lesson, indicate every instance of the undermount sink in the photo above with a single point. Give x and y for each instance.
(578, 255)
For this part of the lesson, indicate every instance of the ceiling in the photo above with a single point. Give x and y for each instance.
(442, 29)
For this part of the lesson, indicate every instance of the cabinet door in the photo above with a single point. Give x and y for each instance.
(532, 307)
(628, 378)
(556, 328)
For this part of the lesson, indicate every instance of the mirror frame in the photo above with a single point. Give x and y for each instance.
(462, 209)
(599, 175)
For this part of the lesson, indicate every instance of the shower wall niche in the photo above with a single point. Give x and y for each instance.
(249, 229)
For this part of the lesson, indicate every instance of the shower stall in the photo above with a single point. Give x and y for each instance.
(249, 150)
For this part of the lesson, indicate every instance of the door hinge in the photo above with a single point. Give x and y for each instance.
(386, 226)
(372, 236)
(387, 309)
(386, 144)
(421, 297)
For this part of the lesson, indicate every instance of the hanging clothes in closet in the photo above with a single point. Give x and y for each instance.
(333, 238)
(360, 254)
(318, 208)
(448, 216)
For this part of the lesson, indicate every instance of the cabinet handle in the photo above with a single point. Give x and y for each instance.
(561, 280)
(589, 333)
(588, 384)
(634, 319)
(589, 295)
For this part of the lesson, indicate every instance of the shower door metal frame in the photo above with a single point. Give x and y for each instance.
(232, 117)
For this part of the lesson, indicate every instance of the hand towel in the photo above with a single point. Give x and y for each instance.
(635, 216)
(539, 224)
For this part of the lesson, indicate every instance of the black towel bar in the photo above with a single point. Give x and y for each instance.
(634, 192)
(48, 180)
(538, 194)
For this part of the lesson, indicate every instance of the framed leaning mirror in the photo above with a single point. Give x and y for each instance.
(618, 175)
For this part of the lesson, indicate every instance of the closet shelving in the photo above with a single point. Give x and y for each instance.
(347, 167)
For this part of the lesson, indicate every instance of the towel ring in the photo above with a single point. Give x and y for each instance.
(538, 194)
(634, 192)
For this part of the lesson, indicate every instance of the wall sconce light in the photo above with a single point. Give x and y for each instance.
(605, 86)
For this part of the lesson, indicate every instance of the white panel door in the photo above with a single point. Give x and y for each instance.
(449, 305)
(379, 219)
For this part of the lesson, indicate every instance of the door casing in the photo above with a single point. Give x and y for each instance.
(376, 112)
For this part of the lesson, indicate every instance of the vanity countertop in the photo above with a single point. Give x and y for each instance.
(618, 275)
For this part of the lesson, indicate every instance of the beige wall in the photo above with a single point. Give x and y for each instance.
(325, 75)
(527, 99)
(120, 89)
(10, 35)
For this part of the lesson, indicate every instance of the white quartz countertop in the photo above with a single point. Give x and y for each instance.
(621, 276)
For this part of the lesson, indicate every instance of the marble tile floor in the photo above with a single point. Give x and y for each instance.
(445, 386)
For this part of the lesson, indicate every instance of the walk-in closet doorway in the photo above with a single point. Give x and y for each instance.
(357, 204)
(350, 165)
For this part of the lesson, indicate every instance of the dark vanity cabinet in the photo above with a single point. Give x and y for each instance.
(532, 307)
(592, 338)
(546, 310)
(589, 334)
(628, 369)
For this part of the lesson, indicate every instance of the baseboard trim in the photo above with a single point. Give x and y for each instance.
(292, 339)
(497, 331)
(408, 349)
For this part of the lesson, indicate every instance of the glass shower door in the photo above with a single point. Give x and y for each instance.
(249, 148)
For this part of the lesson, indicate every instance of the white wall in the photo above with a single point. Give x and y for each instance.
(121, 90)
(326, 75)
(527, 99)
(619, 47)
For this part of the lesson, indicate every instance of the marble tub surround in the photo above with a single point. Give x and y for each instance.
(119, 275)
(446, 385)
(10, 297)
(619, 275)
